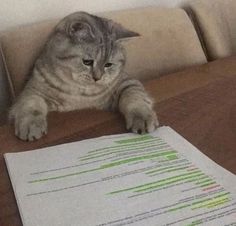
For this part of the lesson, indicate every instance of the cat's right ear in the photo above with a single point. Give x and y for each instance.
(121, 33)
(81, 31)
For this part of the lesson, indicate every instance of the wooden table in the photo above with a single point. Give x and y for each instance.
(199, 103)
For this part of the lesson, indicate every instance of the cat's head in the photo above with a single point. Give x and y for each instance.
(91, 46)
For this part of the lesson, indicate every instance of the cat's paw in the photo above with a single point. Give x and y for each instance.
(142, 121)
(31, 127)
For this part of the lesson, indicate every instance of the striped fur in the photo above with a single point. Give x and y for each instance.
(81, 67)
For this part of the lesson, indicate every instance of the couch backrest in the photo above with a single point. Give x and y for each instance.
(168, 43)
(216, 22)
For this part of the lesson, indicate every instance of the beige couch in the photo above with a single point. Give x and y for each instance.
(165, 45)
(168, 43)
(5, 96)
(216, 23)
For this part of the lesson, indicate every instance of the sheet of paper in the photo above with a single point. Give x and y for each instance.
(157, 179)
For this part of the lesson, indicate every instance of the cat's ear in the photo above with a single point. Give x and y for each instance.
(121, 33)
(81, 31)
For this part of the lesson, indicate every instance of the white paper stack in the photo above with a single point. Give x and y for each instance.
(150, 180)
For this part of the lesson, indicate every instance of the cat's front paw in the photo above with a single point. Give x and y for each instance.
(31, 127)
(141, 121)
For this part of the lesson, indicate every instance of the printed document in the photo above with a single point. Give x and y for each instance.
(156, 179)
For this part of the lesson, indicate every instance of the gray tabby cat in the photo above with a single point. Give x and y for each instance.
(81, 66)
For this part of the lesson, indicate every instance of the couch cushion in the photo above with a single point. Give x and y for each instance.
(216, 21)
(168, 43)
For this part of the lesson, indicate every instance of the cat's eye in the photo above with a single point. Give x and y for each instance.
(108, 65)
(88, 62)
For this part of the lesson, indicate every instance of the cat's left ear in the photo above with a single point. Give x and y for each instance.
(81, 31)
(121, 33)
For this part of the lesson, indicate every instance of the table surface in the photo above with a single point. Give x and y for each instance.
(199, 103)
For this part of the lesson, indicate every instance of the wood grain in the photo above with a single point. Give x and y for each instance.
(199, 103)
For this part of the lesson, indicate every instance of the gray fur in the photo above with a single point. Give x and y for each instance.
(61, 80)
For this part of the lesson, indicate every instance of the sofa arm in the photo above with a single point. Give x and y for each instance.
(5, 91)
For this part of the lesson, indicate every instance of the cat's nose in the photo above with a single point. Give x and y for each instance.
(96, 79)
(97, 75)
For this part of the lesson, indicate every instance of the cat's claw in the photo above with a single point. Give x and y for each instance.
(142, 123)
(30, 128)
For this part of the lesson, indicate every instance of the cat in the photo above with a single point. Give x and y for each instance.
(82, 66)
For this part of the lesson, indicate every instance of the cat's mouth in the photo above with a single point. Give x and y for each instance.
(87, 80)
(93, 80)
